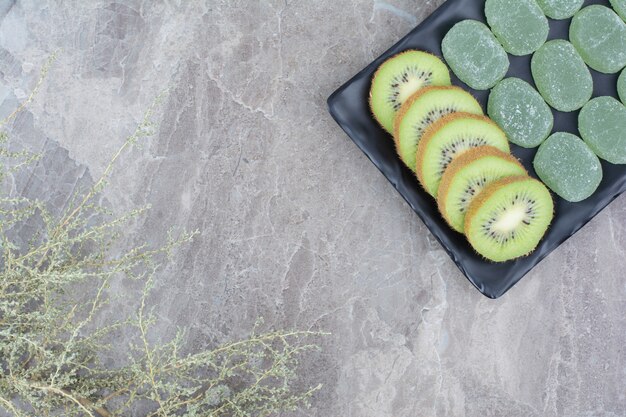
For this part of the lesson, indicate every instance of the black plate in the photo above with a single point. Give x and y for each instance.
(348, 106)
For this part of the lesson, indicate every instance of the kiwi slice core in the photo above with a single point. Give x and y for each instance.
(400, 77)
(466, 177)
(509, 218)
(449, 137)
(423, 109)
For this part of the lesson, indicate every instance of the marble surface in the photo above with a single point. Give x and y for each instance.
(296, 225)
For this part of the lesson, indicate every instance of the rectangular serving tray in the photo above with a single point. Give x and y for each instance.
(349, 107)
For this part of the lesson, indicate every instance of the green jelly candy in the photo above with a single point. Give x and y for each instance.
(602, 124)
(599, 36)
(520, 25)
(621, 86)
(560, 9)
(620, 7)
(568, 167)
(561, 76)
(521, 112)
(475, 55)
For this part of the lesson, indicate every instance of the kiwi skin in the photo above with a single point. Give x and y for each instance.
(409, 102)
(369, 100)
(486, 194)
(433, 129)
(458, 163)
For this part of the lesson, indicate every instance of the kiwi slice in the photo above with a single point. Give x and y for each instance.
(423, 109)
(399, 77)
(467, 175)
(449, 137)
(509, 218)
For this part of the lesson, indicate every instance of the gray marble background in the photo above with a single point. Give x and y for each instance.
(296, 225)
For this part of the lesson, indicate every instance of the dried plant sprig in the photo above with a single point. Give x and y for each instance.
(54, 331)
(42, 76)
